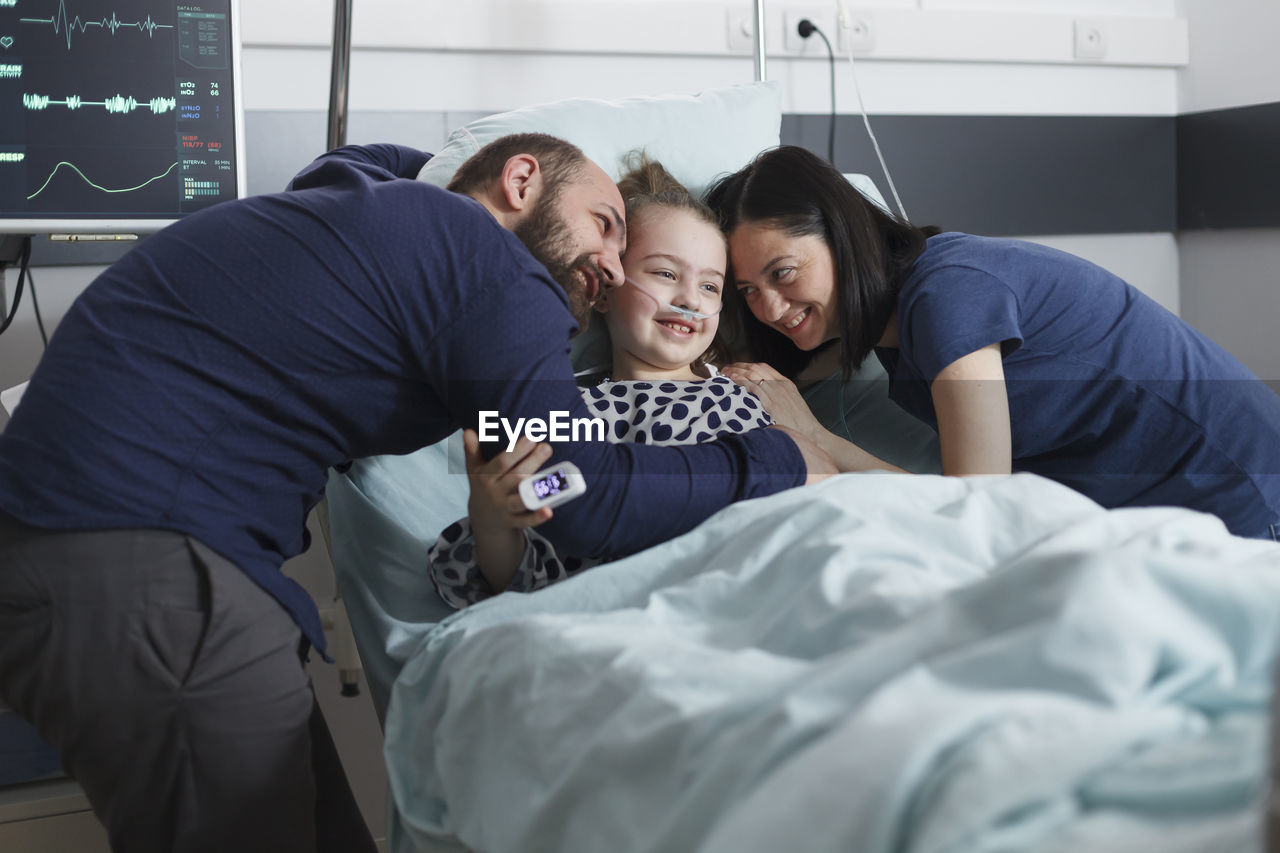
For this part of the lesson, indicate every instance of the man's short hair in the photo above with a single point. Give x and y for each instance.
(558, 160)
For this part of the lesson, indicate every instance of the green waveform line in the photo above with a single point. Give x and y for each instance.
(61, 20)
(95, 186)
(116, 104)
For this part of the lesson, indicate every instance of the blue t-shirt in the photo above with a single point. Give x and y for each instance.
(1109, 393)
(207, 381)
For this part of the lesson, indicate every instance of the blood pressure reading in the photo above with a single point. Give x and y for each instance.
(552, 484)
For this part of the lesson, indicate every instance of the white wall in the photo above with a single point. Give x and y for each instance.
(1231, 292)
(488, 55)
(931, 56)
(423, 55)
(1233, 59)
(20, 345)
(1150, 262)
(1230, 288)
(609, 48)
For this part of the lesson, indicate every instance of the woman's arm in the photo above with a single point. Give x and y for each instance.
(972, 406)
(784, 403)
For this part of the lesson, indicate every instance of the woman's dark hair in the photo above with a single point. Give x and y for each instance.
(800, 193)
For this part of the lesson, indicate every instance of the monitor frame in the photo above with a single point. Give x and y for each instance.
(127, 226)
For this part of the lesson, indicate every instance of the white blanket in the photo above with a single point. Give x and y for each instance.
(878, 663)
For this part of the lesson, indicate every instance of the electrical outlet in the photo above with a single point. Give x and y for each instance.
(741, 30)
(1091, 40)
(857, 36)
(823, 17)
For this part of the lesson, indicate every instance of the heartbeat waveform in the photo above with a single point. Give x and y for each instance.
(61, 23)
(96, 186)
(117, 104)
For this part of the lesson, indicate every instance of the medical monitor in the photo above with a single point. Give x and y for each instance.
(117, 116)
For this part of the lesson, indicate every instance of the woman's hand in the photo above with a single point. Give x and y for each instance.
(784, 404)
(818, 464)
(779, 396)
(495, 508)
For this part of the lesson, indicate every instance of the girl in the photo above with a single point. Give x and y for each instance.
(1021, 357)
(662, 322)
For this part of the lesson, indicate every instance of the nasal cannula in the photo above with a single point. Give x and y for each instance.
(684, 312)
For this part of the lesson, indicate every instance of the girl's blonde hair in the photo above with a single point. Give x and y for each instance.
(647, 184)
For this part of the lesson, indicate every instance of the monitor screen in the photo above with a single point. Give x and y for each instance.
(117, 116)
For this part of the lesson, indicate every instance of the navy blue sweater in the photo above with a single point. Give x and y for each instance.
(207, 381)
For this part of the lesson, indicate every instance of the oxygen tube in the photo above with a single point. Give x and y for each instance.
(684, 312)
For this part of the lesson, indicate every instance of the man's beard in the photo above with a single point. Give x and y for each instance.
(546, 237)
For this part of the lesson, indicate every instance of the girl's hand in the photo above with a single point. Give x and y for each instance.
(779, 395)
(495, 498)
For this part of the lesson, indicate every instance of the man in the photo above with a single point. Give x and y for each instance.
(180, 426)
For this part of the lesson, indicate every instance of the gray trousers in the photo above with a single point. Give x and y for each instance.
(172, 686)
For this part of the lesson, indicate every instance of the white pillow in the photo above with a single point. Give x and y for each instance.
(697, 137)
(866, 186)
(9, 399)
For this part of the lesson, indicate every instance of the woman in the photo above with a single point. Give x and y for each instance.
(1021, 357)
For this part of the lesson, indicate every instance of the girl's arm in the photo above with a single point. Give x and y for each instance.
(495, 508)
(784, 403)
(972, 405)
(492, 549)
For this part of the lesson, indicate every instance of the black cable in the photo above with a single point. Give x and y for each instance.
(22, 277)
(35, 304)
(807, 28)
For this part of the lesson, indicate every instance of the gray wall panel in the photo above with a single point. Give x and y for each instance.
(999, 175)
(1014, 175)
(1228, 171)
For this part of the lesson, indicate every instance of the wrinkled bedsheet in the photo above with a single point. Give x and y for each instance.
(877, 663)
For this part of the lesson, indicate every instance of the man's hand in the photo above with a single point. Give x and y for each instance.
(817, 462)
